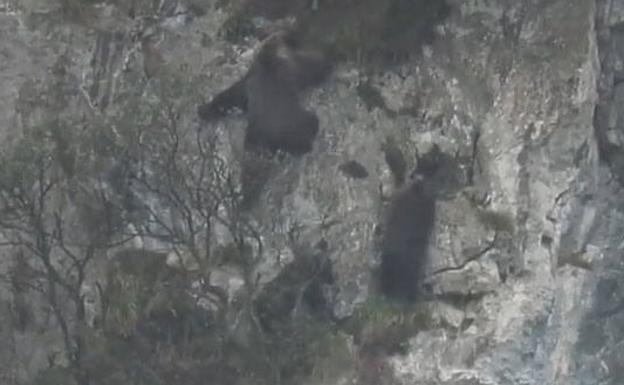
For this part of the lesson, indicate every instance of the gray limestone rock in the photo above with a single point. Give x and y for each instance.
(525, 98)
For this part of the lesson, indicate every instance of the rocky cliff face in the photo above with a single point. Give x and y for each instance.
(524, 283)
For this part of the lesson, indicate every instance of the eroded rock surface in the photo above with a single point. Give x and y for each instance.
(525, 276)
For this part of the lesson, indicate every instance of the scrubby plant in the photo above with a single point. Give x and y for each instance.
(76, 187)
(384, 325)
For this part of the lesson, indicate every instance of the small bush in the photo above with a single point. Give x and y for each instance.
(384, 325)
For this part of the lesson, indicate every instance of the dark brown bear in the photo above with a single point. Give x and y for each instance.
(409, 222)
(269, 94)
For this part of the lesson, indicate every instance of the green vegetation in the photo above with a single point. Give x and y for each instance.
(294, 321)
(384, 325)
(80, 183)
(333, 357)
(71, 197)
